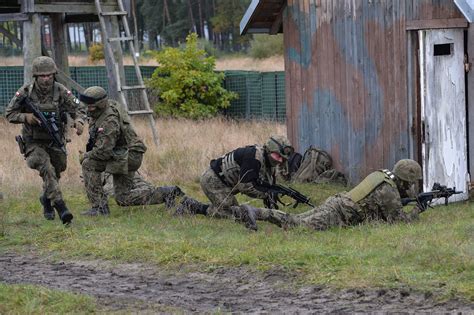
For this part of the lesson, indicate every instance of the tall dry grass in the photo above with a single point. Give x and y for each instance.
(185, 149)
(275, 63)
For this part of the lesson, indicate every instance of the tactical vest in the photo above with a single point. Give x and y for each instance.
(370, 183)
(230, 169)
(37, 132)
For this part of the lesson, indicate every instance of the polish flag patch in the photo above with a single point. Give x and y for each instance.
(100, 130)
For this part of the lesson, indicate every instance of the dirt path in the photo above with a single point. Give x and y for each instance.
(136, 286)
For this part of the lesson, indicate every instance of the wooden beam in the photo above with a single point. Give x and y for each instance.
(434, 24)
(6, 17)
(31, 45)
(72, 7)
(276, 26)
(27, 6)
(59, 41)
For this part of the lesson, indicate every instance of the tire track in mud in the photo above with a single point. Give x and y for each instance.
(137, 286)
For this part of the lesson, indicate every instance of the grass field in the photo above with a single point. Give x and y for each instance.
(435, 254)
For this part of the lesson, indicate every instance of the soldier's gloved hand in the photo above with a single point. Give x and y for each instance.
(31, 119)
(79, 128)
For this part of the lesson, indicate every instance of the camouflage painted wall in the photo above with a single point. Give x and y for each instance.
(346, 77)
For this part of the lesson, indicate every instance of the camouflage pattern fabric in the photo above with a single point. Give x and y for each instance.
(127, 191)
(382, 204)
(48, 160)
(221, 196)
(59, 99)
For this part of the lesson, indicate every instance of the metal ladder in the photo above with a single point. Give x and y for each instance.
(122, 88)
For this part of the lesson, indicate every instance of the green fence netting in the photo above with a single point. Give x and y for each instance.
(261, 94)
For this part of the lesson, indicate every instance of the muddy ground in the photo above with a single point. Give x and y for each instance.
(143, 288)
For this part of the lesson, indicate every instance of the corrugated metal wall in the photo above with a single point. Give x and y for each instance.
(346, 77)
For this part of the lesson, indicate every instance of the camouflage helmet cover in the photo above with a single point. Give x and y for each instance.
(94, 96)
(279, 144)
(407, 170)
(43, 66)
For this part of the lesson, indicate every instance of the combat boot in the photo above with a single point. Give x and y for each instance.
(191, 206)
(48, 210)
(96, 211)
(63, 212)
(170, 194)
(245, 214)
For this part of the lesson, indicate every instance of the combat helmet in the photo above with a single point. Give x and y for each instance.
(43, 66)
(94, 96)
(407, 170)
(280, 145)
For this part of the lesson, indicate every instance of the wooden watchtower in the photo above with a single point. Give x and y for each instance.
(61, 12)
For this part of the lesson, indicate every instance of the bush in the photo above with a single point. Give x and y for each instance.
(186, 83)
(264, 46)
(96, 52)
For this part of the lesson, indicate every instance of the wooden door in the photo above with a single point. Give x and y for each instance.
(443, 110)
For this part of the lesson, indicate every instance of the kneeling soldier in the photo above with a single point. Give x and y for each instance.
(248, 170)
(115, 148)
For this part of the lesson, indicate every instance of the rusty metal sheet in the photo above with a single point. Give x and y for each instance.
(346, 74)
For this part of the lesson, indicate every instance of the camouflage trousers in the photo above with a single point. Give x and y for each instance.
(338, 210)
(127, 190)
(50, 162)
(221, 196)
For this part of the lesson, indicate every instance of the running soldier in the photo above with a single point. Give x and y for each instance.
(45, 151)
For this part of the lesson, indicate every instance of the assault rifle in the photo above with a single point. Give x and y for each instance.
(49, 123)
(438, 191)
(276, 190)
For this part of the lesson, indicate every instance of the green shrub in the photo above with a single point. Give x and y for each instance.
(96, 52)
(264, 46)
(186, 83)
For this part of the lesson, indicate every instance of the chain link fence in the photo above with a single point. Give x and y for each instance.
(261, 94)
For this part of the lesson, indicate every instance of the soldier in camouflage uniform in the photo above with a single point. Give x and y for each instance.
(248, 170)
(377, 197)
(115, 148)
(41, 154)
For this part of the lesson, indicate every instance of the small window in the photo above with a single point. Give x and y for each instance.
(443, 49)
